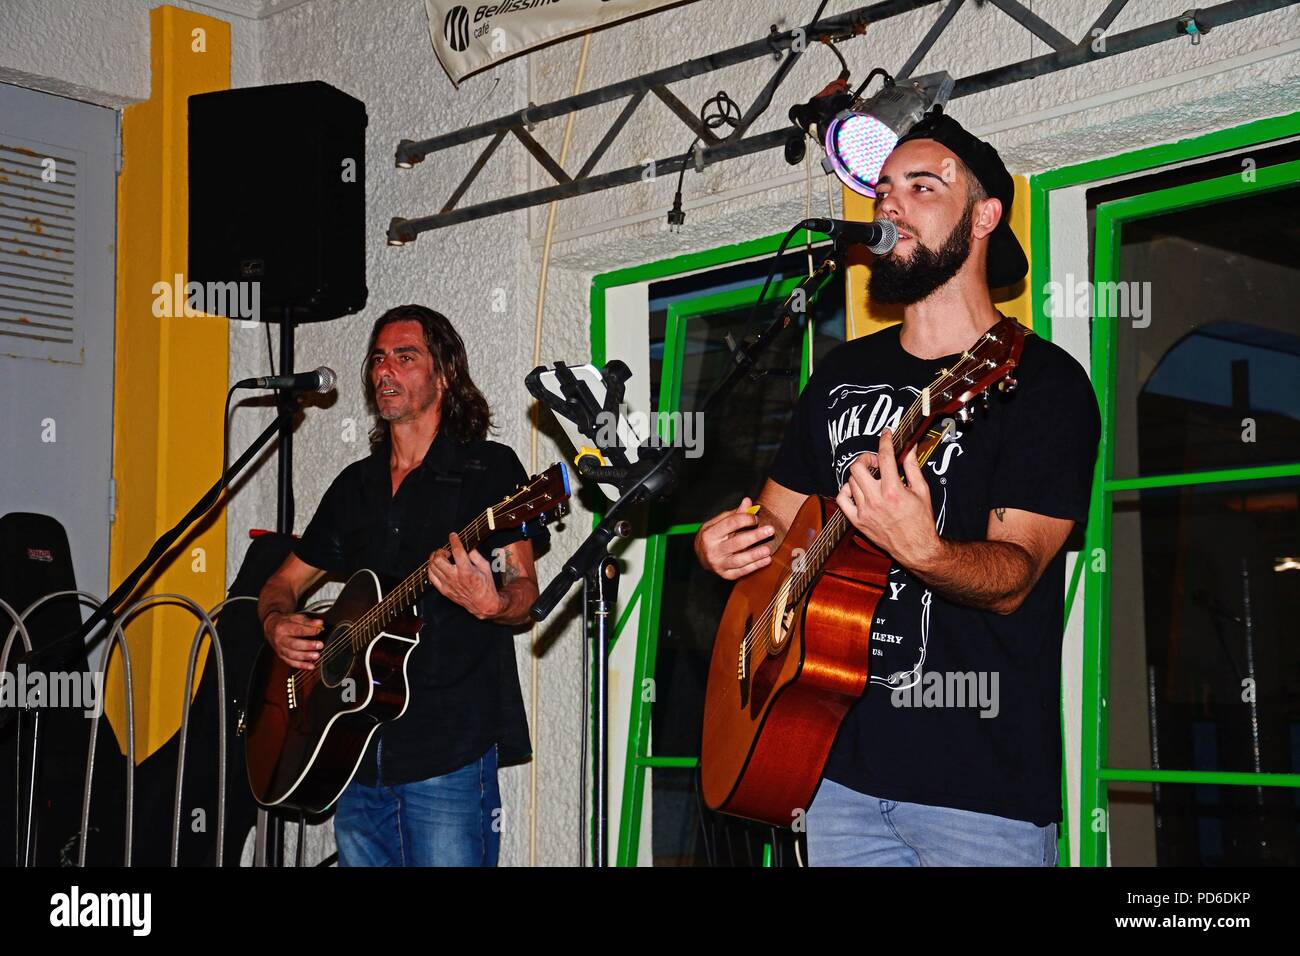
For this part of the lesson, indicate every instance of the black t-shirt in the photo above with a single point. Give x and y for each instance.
(464, 686)
(962, 707)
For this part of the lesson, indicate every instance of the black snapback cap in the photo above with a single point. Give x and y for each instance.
(1006, 261)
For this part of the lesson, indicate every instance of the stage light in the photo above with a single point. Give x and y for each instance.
(400, 232)
(859, 138)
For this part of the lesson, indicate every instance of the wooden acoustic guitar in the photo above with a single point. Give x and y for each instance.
(792, 651)
(307, 730)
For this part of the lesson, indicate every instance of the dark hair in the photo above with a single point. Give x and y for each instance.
(975, 191)
(465, 412)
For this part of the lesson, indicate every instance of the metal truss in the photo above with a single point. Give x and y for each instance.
(786, 47)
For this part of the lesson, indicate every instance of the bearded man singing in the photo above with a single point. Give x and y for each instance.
(920, 775)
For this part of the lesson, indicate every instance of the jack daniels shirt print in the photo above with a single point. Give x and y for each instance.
(962, 708)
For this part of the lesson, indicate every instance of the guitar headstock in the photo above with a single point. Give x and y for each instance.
(989, 361)
(544, 498)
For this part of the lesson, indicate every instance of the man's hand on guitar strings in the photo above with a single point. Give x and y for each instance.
(466, 578)
(292, 637)
(897, 517)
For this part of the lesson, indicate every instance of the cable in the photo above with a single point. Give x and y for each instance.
(225, 418)
(534, 436)
(722, 115)
(776, 261)
(710, 854)
(225, 432)
(588, 690)
(270, 352)
(844, 64)
(889, 81)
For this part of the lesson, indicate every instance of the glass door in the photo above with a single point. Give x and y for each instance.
(730, 452)
(1191, 721)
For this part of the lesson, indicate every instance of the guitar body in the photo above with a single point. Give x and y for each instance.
(307, 730)
(793, 650)
(777, 694)
(304, 743)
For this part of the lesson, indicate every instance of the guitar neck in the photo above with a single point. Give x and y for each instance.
(405, 595)
(907, 433)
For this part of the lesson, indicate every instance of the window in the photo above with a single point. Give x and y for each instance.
(1191, 703)
(679, 604)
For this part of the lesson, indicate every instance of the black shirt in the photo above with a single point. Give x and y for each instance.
(962, 707)
(464, 686)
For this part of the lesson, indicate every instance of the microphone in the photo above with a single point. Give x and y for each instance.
(879, 235)
(321, 380)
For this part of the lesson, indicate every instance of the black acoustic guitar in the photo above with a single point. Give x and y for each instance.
(306, 730)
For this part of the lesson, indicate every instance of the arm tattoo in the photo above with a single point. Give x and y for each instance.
(1001, 513)
(511, 570)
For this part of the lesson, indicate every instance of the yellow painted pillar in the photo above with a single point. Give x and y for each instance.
(864, 317)
(171, 374)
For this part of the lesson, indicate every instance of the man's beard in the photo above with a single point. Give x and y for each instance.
(408, 410)
(904, 281)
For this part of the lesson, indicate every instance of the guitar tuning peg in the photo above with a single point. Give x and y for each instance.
(1007, 385)
(964, 414)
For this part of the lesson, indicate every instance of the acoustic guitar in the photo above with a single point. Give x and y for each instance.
(792, 650)
(307, 730)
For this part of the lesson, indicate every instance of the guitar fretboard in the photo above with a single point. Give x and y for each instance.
(907, 434)
(959, 380)
(402, 598)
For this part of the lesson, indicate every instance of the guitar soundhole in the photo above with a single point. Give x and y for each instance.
(336, 659)
(781, 632)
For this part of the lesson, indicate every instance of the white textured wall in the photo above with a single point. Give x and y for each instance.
(98, 50)
(379, 51)
(381, 54)
(1238, 73)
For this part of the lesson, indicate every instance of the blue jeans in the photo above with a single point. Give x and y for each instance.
(450, 820)
(847, 828)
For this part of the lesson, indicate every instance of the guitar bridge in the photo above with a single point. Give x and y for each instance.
(292, 693)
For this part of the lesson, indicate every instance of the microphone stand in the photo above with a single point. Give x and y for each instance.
(653, 477)
(106, 613)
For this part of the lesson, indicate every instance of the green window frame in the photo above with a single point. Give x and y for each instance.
(1094, 774)
(1111, 218)
(638, 758)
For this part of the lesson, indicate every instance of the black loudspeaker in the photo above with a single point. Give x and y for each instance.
(35, 560)
(277, 198)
